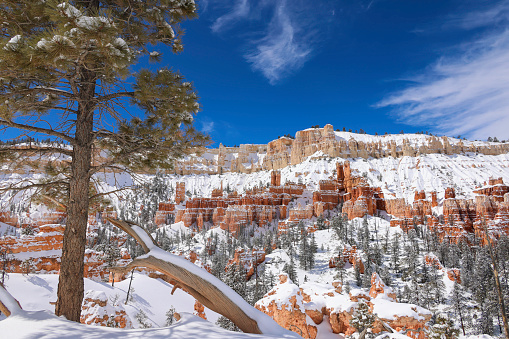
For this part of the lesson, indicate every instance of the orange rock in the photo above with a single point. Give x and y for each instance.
(199, 310)
(379, 288)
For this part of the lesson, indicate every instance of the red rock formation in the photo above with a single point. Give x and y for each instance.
(44, 250)
(432, 261)
(288, 311)
(351, 256)
(288, 305)
(379, 288)
(248, 260)
(180, 192)
(454, 275)
(275, 178)
(450, 193)
(199, 310)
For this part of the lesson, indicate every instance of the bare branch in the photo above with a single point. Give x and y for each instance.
(113, 96)
(38, 130)
(109, 192)
(32, 149)
(33, 185)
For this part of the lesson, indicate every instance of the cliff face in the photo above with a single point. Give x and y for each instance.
(325, 142)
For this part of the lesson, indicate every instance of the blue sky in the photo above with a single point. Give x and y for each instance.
(265, 68)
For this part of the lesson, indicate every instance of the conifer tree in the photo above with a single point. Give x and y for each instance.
(443, 328)
(362, 319)
(65, 73)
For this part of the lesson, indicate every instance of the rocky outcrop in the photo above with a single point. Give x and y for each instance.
(199, 310)
(378, 287)
(289, 305)
(323, 142)
(99, 311)
(41, 252)
(247, 260)
(278, 154)
(350, 255)
(285, 304)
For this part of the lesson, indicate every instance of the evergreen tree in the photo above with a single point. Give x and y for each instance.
(227, 324)
(5, 263)
(66, 65)
(304, 254)
(362, 319)
(443, 328)
(170, 318)
(289, 269)
(458, 305)
(142, 319)
(395, 248)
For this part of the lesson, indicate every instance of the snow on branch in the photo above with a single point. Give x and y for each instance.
(8, 305)
(205, 287)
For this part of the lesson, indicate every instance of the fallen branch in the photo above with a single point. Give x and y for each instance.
(8, 305)
(206, 288)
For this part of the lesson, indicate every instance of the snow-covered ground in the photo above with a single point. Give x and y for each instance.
(44, 325)
(36, 292)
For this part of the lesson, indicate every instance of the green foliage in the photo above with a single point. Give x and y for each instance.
(362, 319)
(62, 59)
(443, 328)
(170, 318)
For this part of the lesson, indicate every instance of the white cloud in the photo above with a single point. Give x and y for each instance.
(497, 13)
(207, 126)
(240, 11)
(284, 48)
(466, 94)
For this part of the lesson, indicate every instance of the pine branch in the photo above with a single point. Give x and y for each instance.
(32, 149)
(113, 96)
(48, 131)
(33, 185)
(109, 192)
(39, 89)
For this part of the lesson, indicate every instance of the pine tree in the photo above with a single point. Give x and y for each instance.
(227, 324)
(458, 304)
(142, 319)
(304, 254)
(443, 328)
(5, 263)
(65, 72)
(362, 319)
(170, 318)
(289, 269)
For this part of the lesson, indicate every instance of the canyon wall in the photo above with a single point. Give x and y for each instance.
(325, 142)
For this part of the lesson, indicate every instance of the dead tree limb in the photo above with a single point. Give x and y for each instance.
(206, 288)
(8, 305)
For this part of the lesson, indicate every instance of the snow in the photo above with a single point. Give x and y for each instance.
(44, 325)
(387, 309)
(9, 301)
(36, 292)
(13, 43)
(266, 324)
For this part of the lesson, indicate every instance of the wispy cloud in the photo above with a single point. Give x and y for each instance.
(281, 34)
(465, 94)
(207, 127)
(499, 12)
(240, 11)
(282, 50)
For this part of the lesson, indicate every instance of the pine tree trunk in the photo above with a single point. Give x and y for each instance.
(70, 284)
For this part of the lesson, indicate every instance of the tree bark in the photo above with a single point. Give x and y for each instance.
(70, 284)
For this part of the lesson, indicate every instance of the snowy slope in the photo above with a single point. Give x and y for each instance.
(44, 325)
